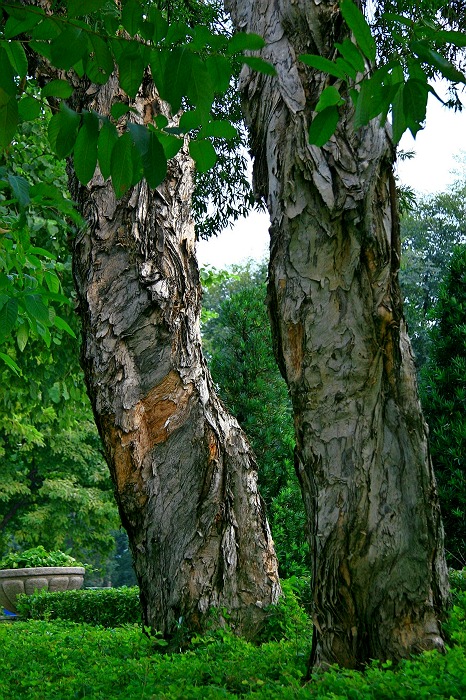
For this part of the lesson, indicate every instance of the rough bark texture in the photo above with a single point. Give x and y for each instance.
(380, 580)
(184, 475)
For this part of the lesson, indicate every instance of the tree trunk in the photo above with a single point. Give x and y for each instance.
(380, 579)
(184, 475)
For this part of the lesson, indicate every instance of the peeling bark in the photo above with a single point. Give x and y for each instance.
(380, 579)
(184, 475)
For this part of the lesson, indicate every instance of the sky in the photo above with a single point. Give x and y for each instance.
(437, 148)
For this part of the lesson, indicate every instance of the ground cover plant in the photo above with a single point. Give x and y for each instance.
(52, 660)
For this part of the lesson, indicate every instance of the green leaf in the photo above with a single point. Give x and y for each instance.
(85, 149)
(199, 88)
(177, 76)
(36, 309)
(204, 154)
(69, 47)
(79, 8)
(62, 130)
(374, 98)
(159, 24)
(22, 336)
(23, 22)
(121, 165)
(351, 54)
(10, 363)
(434, 59)
(243, 41)
(152, 155)
(131, 16)
(323, 126)
(361, 30)
(451, 37)
(220, 71)
(29, 108)
(8, 316)
(330, 96)
(57, 88)
(7, 78)
(191, 119)
(170, 144)
(119, 109)
(63, 326)
(131, 68)
(399, 124)
(17, 57)
(108, 137)
(8, 122)
(259, 65)
(323, 65)
(220, 128)
(20, 188)
(100, 65)
(415, 93)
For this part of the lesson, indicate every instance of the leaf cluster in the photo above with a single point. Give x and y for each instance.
(190, 64)
(399, 85)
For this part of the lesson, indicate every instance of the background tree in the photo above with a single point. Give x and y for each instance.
(54, 485)
(443, 391)
(239, 351)
(429, 232)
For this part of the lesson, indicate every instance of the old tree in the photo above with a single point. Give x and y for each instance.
(183, 472)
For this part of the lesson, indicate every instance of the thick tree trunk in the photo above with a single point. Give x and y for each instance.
(184, 475)
(380, 580)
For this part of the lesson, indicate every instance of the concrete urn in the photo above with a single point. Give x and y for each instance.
(52, 578)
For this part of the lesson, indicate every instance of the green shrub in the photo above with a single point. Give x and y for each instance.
(37, 556)
(108, 607)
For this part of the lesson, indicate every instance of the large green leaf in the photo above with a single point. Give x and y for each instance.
(330, 96)
(107, 139)
(220, 71)
(8, 86)
(351, 54)
(69, 47)
(17, 57)
(8, 316)
(8, 122)
(57, 88)
(177, 76)
(36, 309)
(23, 21)
(121, 165)
(79, 8)
(131, 16)
(434, 59)
(29, 108)
(199, 87)
(85, 149)
(358, 25)
(131, 67)
(323, 65)
(204, 154)
(10, 363)
(323, 126)
(99, 66)
(259, 65)
(415, 95)
(63, 128)
(220, 128)
(154, 162)
(243, 41)
(20, 187)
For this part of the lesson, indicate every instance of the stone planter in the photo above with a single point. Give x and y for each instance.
(52, 578)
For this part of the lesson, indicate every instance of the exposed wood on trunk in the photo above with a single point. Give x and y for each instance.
(380, 580)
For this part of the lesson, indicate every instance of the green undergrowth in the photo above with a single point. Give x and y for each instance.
(54, 660)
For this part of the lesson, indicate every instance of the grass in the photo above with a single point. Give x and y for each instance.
(43, 660)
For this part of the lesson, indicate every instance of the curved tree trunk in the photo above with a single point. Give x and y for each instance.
(184, 475)
(380, 580)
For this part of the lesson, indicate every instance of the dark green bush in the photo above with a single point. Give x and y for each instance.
(109, 607)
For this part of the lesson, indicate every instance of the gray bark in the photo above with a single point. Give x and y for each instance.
(184, 474)
(380, 579)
